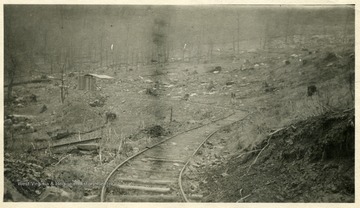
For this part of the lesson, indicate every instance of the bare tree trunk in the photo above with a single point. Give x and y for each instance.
(211, 44)
(127, 45)
(345, 28)
(100, 51)
(51, 64)
(183, 52)
(233, 45)
(266, 35)
(12, 77)
(238, 34)
(106, 57)
(287, 27)
(62, 88)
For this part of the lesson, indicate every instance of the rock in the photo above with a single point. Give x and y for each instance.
(88, 147)
(53, 194)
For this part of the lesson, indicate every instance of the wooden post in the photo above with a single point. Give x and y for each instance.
(171, 114)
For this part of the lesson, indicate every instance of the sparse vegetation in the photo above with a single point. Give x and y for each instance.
(288, 74)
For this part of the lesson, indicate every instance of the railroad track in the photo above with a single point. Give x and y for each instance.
(154, 174)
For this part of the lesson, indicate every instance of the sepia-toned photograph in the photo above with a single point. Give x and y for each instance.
(179, 103)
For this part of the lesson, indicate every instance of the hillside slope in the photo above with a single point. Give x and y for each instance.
(309, 161)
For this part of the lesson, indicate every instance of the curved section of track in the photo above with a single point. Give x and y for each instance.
(185, 198)
(154, 173)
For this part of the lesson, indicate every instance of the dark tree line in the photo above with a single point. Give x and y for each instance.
(54, 36)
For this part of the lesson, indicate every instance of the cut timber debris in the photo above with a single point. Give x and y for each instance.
(69, 143)
(88, 147)
(144, 188)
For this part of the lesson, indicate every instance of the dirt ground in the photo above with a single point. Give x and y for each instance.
(311, 159)
(308, 161)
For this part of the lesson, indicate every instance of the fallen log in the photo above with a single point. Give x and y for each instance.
(69, 143)
(64, 133)
(150, 198)
(88, 147)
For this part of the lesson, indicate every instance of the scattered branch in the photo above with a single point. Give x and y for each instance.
(243, 198)
(61, 160)
(276, 131)
(268, 142)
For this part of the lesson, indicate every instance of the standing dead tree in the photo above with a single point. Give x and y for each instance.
(11, 73)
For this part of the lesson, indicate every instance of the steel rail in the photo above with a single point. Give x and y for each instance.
(103, 189)
(197, 149)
